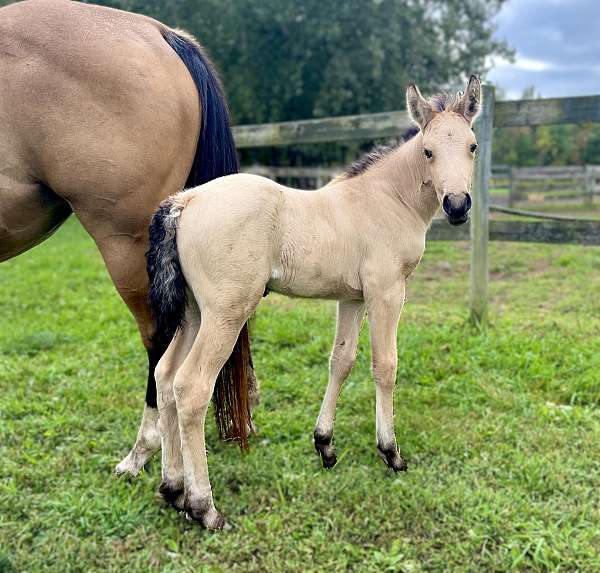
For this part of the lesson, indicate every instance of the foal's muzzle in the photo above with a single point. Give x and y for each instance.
(456, 206)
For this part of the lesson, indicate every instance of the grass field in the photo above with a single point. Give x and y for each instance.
(500, 427)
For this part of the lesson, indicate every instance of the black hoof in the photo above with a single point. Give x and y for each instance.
(204, 513)
(325, 450)
(170, 493)
(392, 458)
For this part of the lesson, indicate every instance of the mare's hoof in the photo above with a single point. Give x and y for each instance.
(392, 458)
(325, 450)
(204, 514)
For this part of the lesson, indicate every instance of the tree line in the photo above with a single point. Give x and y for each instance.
(282, 60)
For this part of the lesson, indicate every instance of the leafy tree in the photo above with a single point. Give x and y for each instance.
(547, 144)
(289, 59)
(284, 59)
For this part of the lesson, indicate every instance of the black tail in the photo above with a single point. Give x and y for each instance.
(215, 153)
(168, 300)
(215, 157)
(167, 289)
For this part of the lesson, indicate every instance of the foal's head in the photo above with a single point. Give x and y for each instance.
(449, 144)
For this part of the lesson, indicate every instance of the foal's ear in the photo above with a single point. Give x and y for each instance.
(471, 100)
(418, 106)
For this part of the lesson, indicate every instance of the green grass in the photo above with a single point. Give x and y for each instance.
(501, 429)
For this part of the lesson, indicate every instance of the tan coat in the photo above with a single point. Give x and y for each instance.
(355, 240)
(99, 116)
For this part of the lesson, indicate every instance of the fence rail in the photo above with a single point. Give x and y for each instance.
(552, 183)
(519, 113)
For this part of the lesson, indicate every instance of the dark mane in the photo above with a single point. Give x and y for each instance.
(370, 158)
(375, 155)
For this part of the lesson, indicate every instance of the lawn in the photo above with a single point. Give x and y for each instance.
(500, 427)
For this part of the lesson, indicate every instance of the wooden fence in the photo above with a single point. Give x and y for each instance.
(517, 113)
(549, 183)
(542, 184)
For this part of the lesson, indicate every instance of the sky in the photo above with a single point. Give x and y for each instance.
(557, 44)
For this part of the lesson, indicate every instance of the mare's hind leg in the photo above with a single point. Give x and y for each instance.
(124, 255)
(349, 318)
(171, 487)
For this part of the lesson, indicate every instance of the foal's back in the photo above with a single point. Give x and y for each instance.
(248, 229)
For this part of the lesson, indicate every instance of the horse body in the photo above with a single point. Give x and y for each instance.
(356, 240)
(101, 117)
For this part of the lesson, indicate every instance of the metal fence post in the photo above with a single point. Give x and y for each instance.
(480, 211)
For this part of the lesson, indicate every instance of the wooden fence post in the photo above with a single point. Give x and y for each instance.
(589, 185)
(480, 210)
(512, 186)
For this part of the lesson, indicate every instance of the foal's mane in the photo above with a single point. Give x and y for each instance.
(375, 155)
(445, 101)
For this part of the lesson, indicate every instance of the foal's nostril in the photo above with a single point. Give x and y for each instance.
(446, 205)
(468, 202)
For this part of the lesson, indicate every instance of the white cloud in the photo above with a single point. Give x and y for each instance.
(531, 65)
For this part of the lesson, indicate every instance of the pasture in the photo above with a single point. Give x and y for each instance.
(500, 428)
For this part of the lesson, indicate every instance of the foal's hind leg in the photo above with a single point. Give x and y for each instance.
(171, 487)
(349, 318)
(193, 386)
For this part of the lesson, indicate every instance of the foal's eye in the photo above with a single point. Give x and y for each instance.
(473, 147)
(428, 153)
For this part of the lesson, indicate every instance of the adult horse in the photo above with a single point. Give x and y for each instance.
(104, 113)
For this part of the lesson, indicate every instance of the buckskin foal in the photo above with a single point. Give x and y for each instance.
(217, 248)
(104, 113)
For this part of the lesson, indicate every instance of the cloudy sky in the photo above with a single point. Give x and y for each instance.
(557, 45)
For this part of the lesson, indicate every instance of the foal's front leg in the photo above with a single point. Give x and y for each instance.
(383, 309)
(349, 318)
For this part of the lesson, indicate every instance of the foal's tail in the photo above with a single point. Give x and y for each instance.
(168, 300)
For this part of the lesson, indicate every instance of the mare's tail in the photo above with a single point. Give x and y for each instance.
(215, 153)
(215, 156)
(168, 300)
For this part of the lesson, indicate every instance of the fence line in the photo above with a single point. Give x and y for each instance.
(519, 113)
(556, 182)
(537, 215)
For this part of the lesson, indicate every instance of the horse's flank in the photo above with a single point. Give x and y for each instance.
(101, 113)
(319, 241)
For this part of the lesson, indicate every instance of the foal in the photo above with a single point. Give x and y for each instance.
(356, 240)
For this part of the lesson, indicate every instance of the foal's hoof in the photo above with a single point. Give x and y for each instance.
(325, 450)
(204, 513)
(392, 458)
(173, 495)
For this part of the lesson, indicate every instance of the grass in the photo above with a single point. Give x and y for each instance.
(501, 429)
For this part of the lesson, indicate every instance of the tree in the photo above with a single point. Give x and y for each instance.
(285, 59)
(290, 59)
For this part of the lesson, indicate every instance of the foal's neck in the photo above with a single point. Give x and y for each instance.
(402, 174)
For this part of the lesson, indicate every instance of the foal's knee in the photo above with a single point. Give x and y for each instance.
(342, 361)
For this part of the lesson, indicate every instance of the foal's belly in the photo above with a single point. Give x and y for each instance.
(314, 284)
